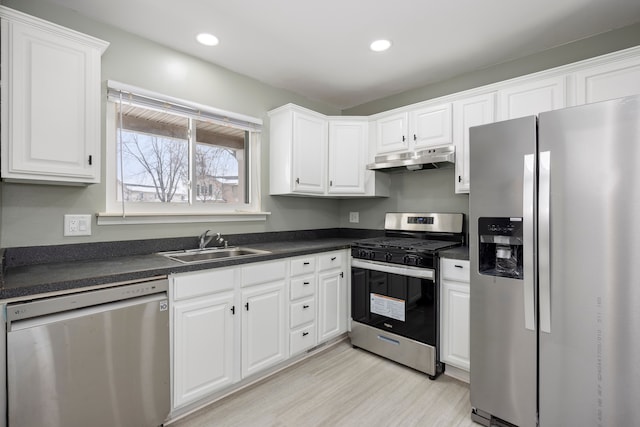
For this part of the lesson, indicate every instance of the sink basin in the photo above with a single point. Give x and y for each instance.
(206, 255)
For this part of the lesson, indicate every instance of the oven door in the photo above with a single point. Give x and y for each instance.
(398, 299)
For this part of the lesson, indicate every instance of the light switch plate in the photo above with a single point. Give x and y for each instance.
(77, 225)
(354, 216)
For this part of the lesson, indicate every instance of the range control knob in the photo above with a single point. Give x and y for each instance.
(411, 260)
(388, 256)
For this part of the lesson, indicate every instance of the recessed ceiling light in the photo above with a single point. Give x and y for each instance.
(207, 39)
(380, 45)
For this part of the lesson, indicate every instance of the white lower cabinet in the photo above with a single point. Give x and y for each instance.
(454, 316)
(302, 305)
(332, 294)
(263, 326)
(232, 323)
(204, 330)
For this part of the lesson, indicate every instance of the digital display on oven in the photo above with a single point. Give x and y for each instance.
(420, 220)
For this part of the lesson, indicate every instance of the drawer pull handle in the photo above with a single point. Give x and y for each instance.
(305, 263)
(304, 334)
(305, 306)
(333, 258)
(458, 266)
(305, 283)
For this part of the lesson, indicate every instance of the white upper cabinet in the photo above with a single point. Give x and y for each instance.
(475, 111)
(531, 97)
(298, 151)
(422, 127)
(431, 126)
(316, 155)
(393, 133)
(51, 102)
(608, 81)
(347, 156)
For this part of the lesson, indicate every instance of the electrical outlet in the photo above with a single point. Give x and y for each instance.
(77, 225)
(354, 216)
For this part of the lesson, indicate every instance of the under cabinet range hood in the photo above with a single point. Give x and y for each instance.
(432, 158)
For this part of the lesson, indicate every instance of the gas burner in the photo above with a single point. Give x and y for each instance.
(412, 239)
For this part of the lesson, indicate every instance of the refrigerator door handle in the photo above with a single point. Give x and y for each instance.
(544, 228)
(528, 197)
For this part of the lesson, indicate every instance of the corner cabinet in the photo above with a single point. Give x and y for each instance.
(347, 147)
(454, 317)
(316, 155)
(50, 101)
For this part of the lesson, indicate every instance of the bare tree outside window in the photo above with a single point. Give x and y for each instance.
(159, 163)
(155, 150)
(217, 171)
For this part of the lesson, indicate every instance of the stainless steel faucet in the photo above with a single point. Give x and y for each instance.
(205, 239)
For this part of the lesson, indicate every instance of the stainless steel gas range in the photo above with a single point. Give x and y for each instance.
(395, 290)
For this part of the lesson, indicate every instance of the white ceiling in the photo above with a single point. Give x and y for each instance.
(319, 49)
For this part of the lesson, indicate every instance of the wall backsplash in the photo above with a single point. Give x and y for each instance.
(418, 191)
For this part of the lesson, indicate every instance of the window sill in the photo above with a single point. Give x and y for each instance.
(107, 218)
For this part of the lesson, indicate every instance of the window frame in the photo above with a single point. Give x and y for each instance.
(118, 212)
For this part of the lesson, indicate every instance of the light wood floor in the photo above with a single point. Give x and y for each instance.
(342, 387)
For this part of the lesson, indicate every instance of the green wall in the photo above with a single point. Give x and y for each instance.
(601, 44)
(33, 214)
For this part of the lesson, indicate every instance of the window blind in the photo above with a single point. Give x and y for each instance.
(119, 92)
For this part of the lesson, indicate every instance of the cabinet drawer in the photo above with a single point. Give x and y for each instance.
(455, 269)
(303, 266)
(190, 285)
(330, 260)
(302, 312)
(303, 287)
(302, 339)
(263, 273)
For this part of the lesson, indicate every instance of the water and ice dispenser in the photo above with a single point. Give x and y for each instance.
(500, 247)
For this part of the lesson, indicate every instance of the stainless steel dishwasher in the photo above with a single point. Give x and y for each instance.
(95, 358)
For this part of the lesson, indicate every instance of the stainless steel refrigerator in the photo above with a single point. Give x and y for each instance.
(554, 224)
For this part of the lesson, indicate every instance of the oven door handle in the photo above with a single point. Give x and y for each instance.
(402, 270)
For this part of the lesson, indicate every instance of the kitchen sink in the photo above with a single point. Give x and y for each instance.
(205, 255)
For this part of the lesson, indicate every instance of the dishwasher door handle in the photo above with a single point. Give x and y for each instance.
(58, 304)
(18, 325)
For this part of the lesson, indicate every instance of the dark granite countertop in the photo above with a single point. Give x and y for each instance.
(24, 281)
(461, 252)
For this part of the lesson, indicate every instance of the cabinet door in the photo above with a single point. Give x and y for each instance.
(347, 157)
(51, 105)
(431, 126)
(527, 99)
(475, 111)
(203, 359)
(332, 311)
(264, 328)
(392, 133)
(309, 153)
(455, 324)
(608, 81)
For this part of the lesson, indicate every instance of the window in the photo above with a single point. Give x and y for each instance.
(167, 157)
